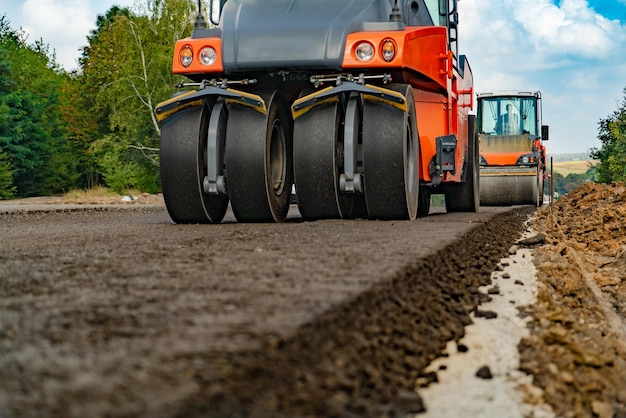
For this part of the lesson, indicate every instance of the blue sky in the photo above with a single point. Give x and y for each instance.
(566, 49)
(611, 9)
(571, 50)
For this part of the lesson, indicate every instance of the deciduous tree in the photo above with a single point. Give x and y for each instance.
(612, 153)
(128, 63)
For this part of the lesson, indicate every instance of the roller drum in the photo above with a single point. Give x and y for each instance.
(507, 190)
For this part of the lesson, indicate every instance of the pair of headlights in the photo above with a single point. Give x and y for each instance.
(207, 56)
(526, 159)
(522, 160)
(364, 52)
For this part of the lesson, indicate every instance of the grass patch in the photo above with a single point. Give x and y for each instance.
(95, 194)
(573, 167)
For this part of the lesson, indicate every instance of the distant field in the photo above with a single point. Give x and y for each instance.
(572, 167)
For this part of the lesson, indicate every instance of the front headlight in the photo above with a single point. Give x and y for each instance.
(208, 56)
(388, 50)
(364, 51)
(527, 159)
(186, 56)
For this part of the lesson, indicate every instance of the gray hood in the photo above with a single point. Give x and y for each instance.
(275, 34)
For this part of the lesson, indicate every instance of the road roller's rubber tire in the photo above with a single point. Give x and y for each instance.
(316, 162)
(391, 158)
(258, 158)
(183, 165)
(423, 204)
(465, 197)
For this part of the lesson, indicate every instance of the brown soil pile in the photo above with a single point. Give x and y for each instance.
(577, 348)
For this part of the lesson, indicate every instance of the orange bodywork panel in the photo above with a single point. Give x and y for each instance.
(504, 150)
(432, 111)
(196, 45)
(421, 49)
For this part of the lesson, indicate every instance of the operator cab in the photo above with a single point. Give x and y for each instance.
(510, 115)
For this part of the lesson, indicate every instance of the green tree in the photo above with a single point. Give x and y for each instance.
(128, 63)
(32, 129)
(82, 126)
(612, 153)
(565, 184)
(7, 189)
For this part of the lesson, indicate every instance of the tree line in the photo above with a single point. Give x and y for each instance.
(64, 130)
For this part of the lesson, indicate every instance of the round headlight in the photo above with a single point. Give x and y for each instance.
(186, 56)
(525, 160)
(388, 50)
(364, 51)
(208, 55)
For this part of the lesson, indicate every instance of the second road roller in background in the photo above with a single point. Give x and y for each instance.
(512, 153)
(362, 104)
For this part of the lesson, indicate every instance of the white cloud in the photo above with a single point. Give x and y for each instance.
(62, 23)
(572, 29)
(569, 52)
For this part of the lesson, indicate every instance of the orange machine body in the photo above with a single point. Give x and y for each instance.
(443, 84)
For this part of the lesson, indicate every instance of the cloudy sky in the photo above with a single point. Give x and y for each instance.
(571, 50)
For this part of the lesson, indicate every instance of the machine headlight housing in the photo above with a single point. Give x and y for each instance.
(388, 50)
(208, 56)
(482, 161)
(364, 51)
(527, 159)
(186, 56)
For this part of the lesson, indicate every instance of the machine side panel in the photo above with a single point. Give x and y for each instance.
(426, 53)
(463, 101)
(432, 122)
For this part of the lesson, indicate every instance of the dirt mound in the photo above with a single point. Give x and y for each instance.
(577, 349)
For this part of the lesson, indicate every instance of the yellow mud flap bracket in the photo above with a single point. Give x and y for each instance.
(195, 98)
(331, 95)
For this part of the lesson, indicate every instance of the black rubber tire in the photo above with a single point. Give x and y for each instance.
(391, 158)
(183, 165)
(540, 188)
(316, 138)
(423, 204)
(465, 196)
(259, 161)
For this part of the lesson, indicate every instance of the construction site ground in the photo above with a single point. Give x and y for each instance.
(108, 309)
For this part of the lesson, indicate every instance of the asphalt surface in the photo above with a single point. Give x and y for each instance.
(117, 311)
